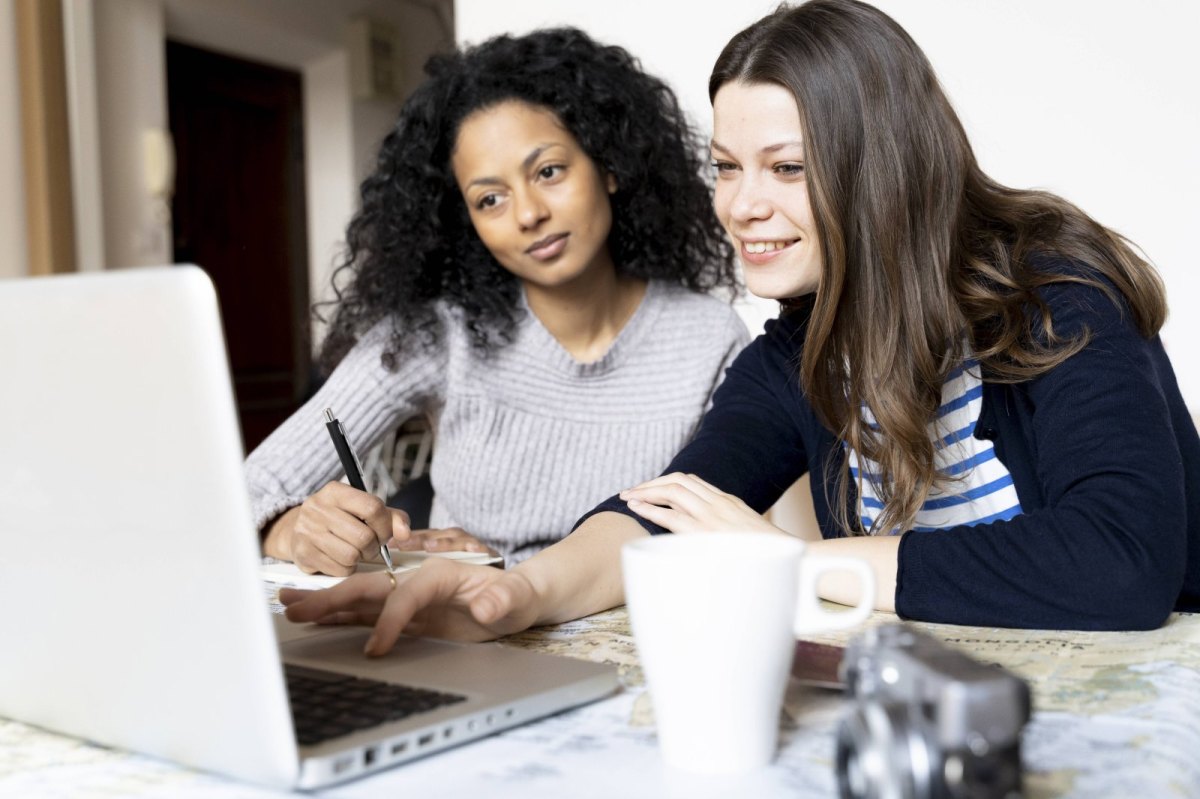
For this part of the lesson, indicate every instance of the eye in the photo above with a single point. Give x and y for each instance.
(724, 167)
(789, 170)
(487, 201)
(550, 171)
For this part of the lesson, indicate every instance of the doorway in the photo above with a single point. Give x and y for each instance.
(239, 213)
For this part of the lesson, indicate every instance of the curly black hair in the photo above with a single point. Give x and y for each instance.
(412, 242)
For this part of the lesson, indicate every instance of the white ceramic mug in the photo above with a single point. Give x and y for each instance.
(715, 617)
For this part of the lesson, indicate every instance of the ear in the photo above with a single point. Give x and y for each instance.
(610, 181)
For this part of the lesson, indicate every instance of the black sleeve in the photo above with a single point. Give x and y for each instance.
(751, 443)
(1106, 548)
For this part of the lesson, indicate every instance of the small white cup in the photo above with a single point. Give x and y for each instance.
(715, 617)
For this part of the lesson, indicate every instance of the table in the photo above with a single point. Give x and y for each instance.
(1116, 715)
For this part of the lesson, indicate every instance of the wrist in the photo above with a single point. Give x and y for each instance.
(277, 540)
(581, 574)
(540, 599)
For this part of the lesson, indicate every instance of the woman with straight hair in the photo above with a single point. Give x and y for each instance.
(971, 373)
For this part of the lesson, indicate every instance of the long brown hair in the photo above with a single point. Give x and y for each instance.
(924, 255)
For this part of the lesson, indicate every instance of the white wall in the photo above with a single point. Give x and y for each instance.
(131, 98)
(330, 170)
(14, 256)
(1096, 101)
(83, 119)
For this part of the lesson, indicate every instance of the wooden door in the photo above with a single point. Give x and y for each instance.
(238, 212)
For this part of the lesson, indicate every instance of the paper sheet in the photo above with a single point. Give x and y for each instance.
(282, 572)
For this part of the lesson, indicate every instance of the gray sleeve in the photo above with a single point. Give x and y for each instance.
(298, 457)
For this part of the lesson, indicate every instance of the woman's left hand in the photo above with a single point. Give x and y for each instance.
(683, 503)
(447, 539)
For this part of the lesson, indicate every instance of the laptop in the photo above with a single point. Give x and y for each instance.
(134, 613)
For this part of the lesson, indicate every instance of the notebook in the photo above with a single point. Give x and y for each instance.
(134, 612)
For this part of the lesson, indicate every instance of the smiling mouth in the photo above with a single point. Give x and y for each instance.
(548, 247)
(763, 247)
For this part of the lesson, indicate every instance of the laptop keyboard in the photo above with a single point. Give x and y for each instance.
(327, 705)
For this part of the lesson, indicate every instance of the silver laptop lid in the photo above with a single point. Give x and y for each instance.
(133, 613)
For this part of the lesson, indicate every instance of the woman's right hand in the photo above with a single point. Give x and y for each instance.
(335, 528)
(444, 598)
(441, 599)
(446, 539)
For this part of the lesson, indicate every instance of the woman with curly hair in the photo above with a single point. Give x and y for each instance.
(527, 269)
(971, 373)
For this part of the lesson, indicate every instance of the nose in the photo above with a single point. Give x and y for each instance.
(530, 209)
(748, 202)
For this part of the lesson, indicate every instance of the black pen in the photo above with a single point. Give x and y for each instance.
(353, 468)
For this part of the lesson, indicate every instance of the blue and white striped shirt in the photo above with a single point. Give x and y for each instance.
(982, 489)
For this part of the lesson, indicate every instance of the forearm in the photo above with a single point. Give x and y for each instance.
(581, 574)
(880, 553)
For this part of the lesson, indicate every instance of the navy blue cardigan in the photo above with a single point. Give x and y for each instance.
(1102, 450)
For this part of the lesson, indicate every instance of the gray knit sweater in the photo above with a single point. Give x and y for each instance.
(528, 439)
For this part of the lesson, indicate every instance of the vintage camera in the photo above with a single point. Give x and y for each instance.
(927, 722)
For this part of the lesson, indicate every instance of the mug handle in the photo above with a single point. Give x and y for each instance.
(810, 616)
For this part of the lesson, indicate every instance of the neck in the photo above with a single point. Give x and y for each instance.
(587, 315)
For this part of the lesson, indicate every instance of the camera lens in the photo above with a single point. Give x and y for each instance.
(994, 775)
(882, 755)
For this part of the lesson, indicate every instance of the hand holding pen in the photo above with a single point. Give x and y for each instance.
(353, 468)
(442, 540)
(337, 526)
(342, 524)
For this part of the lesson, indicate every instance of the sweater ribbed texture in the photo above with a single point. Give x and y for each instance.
(526, 439)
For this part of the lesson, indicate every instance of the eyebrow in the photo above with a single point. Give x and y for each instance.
(529, 161)
(770, 148)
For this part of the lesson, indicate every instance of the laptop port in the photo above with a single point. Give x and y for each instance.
(448, 732)
(369, 757)
(399, 747)
(425, 740)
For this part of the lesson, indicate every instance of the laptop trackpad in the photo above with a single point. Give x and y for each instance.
(337, 645)
(415, 661)
(286, 631)
(501, 672)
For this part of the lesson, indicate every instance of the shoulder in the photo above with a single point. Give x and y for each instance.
(386, 345)
(449, 318)
(684, 301)
(1078, 297)
(691, 313)
(1090, 316)
(773, 357)
(372, 343)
